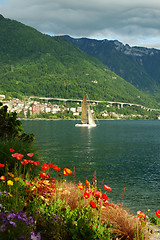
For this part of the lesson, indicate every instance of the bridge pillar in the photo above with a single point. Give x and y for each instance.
(121, 105)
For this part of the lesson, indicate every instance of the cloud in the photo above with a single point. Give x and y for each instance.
(134, 22)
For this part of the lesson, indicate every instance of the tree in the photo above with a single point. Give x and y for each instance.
(10, 127)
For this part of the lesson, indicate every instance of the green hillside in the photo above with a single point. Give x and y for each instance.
(137, 65)
(32, 63)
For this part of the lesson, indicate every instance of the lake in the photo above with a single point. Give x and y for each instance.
(123, 153)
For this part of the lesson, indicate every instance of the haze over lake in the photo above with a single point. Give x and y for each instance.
(123, 153)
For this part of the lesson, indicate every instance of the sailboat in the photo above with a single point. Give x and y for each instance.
(87, 119)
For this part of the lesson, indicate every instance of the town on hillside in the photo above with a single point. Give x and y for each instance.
(31, 108)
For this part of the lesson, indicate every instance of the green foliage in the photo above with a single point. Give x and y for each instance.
(83, 225)
(19, 147)
(11, 127)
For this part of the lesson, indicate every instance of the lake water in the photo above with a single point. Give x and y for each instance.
(123, 153)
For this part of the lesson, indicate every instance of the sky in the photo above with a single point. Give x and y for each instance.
(133, 22)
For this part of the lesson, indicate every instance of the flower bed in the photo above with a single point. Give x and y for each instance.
(45, 207)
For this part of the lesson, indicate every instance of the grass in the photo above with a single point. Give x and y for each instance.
(37, 206)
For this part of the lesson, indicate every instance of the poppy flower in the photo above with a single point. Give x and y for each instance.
(107, 188)
(86, 195)
(97, 194)
(45, 167)
(158, 213)
(81, 186)
(93, 205)
(11, 150)
(67, 171)
(55, 167)
(51, 165)
(14, 154)
(104, 196)
(44, 175)
(36, 163)
(30, 154)
(25, 161)
(2, 165)
(22, 163)
(18, 156)
(30, 161)
(87, 182)
(2, 178)
(140, 214)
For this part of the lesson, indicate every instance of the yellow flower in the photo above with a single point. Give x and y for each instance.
(16, 179)
(10, 183)
(10, 174)
(10, 194)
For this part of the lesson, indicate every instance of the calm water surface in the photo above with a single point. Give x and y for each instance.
(123, 153)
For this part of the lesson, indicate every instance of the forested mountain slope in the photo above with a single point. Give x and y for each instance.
(138, 65)
(32, 63)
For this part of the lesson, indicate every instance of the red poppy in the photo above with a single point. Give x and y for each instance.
(2, 165)
(30, 161)
(30, 154)
(67, 171)
(86, 195)
(97, 194)
(18, 156)
(87, 182)
(2, 178)
(158, 213)
(93, 205)
(45, 167)
(81, 186)
(22, 163)
(11, 150)
(14, 154)
(104, 196)
(140, 214)
(55, 167)
(25, 161)
(107, 188)
(43, 175)
(36, 163)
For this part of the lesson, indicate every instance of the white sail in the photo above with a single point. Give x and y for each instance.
(87, 119)
(90, 117)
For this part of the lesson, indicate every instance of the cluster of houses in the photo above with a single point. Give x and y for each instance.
(32, 108)
(35, 108)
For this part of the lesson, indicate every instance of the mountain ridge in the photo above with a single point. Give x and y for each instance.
(32, 63)
(137, 65)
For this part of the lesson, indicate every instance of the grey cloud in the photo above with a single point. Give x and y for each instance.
(133, 22)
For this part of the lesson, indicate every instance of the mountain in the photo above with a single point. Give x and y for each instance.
(32, 63)
(137, 65)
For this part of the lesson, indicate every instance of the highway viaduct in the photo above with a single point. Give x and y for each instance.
(119, 104)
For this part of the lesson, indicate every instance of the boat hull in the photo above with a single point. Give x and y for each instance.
(85, 125)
